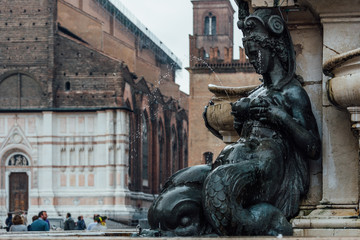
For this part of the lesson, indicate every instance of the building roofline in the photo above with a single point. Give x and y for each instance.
(122, 14)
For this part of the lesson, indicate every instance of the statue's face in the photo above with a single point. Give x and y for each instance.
(258, 56)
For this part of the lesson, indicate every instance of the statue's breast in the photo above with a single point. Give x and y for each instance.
(259, 129)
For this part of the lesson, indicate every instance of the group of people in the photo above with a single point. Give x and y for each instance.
(18, 223)
(98, 224)
(70, 224)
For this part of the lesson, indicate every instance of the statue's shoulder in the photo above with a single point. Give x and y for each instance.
(295, 93)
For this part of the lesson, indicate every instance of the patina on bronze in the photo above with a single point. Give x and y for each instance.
(255, 185)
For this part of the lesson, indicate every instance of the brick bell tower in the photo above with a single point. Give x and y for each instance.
(211, 62)
(212, 38)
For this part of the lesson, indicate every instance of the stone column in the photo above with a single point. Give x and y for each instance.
(121, 210)
(122, 145)
(45, 171)
(110, 149)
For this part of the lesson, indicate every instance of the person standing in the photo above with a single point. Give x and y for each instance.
(40, 224)
(80, 225)
(18, 224)
(69, 223)
(8, 222)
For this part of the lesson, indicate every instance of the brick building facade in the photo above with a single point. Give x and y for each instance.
(212, 62)
(91, 119)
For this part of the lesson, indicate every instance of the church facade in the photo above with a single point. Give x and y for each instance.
(91, 120)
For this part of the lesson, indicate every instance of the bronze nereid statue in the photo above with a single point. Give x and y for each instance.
(255, 185)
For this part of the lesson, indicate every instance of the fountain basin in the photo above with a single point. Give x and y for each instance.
(344, 87)
(219, 114)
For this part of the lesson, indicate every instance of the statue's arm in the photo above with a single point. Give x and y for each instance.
(298, 123)
(302, 124)
(240, 111)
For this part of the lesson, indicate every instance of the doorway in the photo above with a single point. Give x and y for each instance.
(19, 192)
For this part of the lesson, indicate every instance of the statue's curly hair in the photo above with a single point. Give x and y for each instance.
(276, 45)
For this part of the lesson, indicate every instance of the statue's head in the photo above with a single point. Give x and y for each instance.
(265, 38)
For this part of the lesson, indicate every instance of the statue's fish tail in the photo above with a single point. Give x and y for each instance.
(223, 191)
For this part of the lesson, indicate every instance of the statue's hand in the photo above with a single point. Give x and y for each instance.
(240, 109)
(258, 107)
(270, 114)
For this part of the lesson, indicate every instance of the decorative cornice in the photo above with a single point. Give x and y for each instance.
(340, 17)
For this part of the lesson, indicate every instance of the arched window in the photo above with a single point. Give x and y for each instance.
(213, 26)
(210, 25)
(145, 150)
(174, 150)
(208, 157)
(161, 141)
(207, 24)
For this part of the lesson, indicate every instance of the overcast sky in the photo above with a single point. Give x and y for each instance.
(171, 22)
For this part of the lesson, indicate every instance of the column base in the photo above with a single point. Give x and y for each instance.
(327, 221)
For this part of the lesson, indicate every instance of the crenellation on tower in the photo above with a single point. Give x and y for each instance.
(228, 54)
(212, 39)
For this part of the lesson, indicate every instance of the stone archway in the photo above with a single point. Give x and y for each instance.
(18, 175)
(20, 90)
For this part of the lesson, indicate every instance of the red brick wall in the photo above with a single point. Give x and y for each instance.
(95, 79)
(114, 39)
(26, 44)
